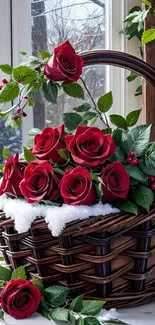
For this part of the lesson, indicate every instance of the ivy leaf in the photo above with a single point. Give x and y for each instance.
(77, 304)
(119, 121)
(128, 206)
(136, 140)
(148, 36)
(5, 153)
(133, 117)
(92, 307)
(56, 295)
(28, 155)
(91, 321)
(82, 108)
(105, 102)
(19, 273)
(137, 174)
(24, 74)
(143, 196)
(72, 120)
(9, 93)
(5, 274)
(6, 68)
(132, 76)
(60, 314)
(73, 90)
(45, 54)
(50, 90)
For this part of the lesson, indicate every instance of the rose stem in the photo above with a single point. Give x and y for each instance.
(105, 122)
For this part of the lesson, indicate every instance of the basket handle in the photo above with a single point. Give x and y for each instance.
(122, 60)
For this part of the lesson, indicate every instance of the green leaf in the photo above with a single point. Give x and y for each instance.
(91, 321)
(143, 196)
(2, 314)
(34, 131)
(28, 155)
(31, 101)
(45, 54)
(73, 90)
(23, 53)
(80, 321)
(133, 117)
(92, 121)
(138, 91)
(5, 274)
(25, 74)
(6, 68)
(137, 174)
(88, 116)
(60, 314)
(5, 153)
(72, 120)
(148, 36)
(128, 206)
(16, 123)
(19, 273)
(50, 90)
(132, 76)
(56, 295)
(10, 92)
(92, 307)
(105, 102)
(39, 285)
(77, 304)
(82, 108)
(64, 154)
(118, 156)
(107, 131)
(114, 322)
(44, 310)
(119, 121)
(136, 140)
(147, 3)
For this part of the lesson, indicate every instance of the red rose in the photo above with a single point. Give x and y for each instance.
(20, 298)
(65, 64)
(13, 175)
(116, 181)
(90, 146)
(48, 143)
(39, 182)
(76, 187)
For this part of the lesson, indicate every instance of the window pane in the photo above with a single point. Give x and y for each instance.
(82, 22)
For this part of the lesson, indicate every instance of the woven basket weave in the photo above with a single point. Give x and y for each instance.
(110, 257)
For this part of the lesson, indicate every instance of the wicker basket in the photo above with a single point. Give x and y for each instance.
(110, 257)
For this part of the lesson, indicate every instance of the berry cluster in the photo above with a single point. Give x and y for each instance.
(4, 81)
(19, 114)
(151, 180)
(131, 159)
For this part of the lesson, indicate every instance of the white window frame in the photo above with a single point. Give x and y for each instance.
(19, 35)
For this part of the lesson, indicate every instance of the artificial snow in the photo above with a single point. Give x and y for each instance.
(56, 217)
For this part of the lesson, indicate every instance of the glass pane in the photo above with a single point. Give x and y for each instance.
(83, 24)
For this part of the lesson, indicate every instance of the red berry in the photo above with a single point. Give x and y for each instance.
(24, 114)
(15, 117)
(134, 162)
(129, 160)
(1, 87)
(19, 110)
(5, 81)
(131, 154)
(153, 186)
(26, 97)
(151, 179)
(19, 81)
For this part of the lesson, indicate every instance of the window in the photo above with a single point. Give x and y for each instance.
(88, 24)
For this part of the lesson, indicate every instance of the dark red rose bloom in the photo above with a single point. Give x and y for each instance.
(76, 187)
(39, 182)
(116, 182)
(90, 146)
(20, 298)
(48, 143)
(13, 175)
(65, 64)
